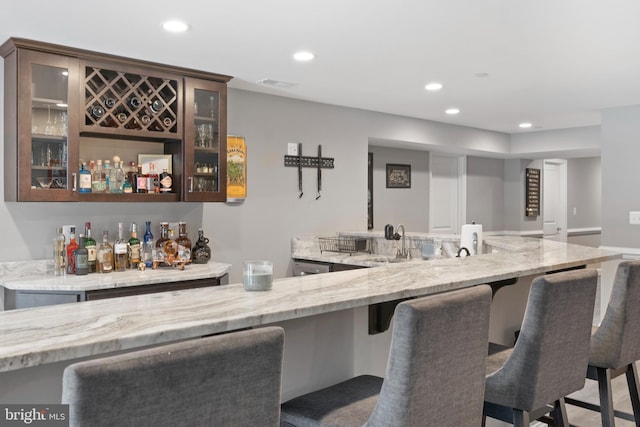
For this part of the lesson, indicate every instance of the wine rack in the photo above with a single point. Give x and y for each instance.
(130, 103)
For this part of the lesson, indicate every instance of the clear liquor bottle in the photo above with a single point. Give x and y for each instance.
(84, 179)
(98, 181)
(120, 250)
(82, 257)
(116, 178)
(59, 253)
(148, 244)
(90, 244)
(134, 247)
(105, 254)
(107, 175)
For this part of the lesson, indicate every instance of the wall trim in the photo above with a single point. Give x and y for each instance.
(584, 231)
(539, 233)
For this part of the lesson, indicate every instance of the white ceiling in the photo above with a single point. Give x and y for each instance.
(555, 63)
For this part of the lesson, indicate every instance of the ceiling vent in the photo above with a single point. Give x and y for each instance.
(276, 83)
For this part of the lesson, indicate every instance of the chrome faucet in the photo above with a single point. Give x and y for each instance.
(390, 235)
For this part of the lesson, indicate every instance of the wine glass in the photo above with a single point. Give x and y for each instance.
(48, 129)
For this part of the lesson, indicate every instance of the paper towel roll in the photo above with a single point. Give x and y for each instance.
(469, 234)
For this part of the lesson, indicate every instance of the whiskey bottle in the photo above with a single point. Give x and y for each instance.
(134, 247)
(201, 253)
(183, 242)
(105, 255)
(59, 253)
(120, 250)
(164, 234)
(147, 240)
(131, 178)
(90, 244)
(71, 252)
(153, 184)
(141, 181)
(82, 257)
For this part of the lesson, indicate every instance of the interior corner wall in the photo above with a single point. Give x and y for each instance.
(620, 176)
(486, 192)
(584, 192)
(406, 206)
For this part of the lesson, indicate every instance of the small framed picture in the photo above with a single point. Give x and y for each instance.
(160, 162)
(398, 176)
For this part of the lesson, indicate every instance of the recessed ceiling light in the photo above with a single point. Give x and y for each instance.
(452, 111)
(433, 86)
(175, 26)
(303, 56)
(482, 74)
(62, 105)
(525, 125)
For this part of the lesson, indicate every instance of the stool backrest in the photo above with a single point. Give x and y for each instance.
(549, 360)
(228, 380)
(616, 343)
(435, 373)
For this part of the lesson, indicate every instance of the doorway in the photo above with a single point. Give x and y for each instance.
(554, 200)
(447, 192)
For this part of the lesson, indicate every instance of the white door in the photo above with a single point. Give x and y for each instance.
(554, 200)
(447, 193)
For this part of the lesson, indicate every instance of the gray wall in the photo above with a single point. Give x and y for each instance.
(406, 206)
(620, 176)
(584, 192)
(486, 192)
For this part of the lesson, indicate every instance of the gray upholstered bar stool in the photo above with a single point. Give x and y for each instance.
(434, 375)
(615, 345)
(549, 359)
(224, 380)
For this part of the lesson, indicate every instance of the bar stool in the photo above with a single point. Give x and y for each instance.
(550, 357)
(228, 380)
(615, 345)
(434, 376)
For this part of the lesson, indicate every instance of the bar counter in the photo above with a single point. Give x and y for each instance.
(37, 336)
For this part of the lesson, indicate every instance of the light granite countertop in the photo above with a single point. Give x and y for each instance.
(32, 275)
(37, 336)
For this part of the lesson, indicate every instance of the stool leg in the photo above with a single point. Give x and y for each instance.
(520, 418)
(606, 397)
(632, 382)
(560, 414)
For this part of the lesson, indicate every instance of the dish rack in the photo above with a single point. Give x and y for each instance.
(349, 245)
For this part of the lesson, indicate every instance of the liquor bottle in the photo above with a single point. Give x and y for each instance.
(131, 177)
(153, 184)
(82, 257)
(147, 247)
(105, 254)
(201, 253)
(90, 244)
(183, 242)
(164, 235)
(120, 250)
(84, 179)
(97, 178)
(71, 252)
(141, 181)
(134, 247)
(107, 175)
(59, 253)
(116, 178)
(165, 181)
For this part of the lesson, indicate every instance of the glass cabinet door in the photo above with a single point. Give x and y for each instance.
(44, 129)
(205, 141)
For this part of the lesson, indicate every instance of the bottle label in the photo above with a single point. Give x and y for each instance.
(134, 252)
(85, 183)
(81, 261)
(141, 183)
(91, 253)
(120, 248)
(166, 182)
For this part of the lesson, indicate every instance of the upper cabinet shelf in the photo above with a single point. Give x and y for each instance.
(65, 106)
